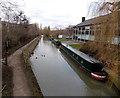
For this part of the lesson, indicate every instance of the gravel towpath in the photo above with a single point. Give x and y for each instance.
(20, 86)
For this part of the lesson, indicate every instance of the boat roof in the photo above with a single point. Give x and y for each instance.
(83, 55)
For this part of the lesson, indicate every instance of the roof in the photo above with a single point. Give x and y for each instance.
(86, 22)
(79, 53)
(95, 20)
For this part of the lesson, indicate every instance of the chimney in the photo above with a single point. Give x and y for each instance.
(83, 19)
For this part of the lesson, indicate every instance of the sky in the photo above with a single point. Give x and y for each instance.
(53, 13)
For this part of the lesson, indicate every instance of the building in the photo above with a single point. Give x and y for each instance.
(87, 29)
(104, 28)
(83, 31)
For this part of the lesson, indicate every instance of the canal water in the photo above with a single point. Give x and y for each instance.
(59, 76)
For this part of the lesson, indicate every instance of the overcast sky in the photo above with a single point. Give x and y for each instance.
(55, 12)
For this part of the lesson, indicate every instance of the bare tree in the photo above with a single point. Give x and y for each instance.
(107, 17)
(46, 31)
(15, 24)
(8, 9)
(69, 30)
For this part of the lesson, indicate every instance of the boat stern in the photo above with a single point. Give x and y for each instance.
(99, 76)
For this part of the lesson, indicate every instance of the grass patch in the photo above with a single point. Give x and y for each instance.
(63, 39)
(32, 82)
(76, 46)
(7, 81)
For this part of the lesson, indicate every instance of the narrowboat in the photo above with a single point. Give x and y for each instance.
(51, 38)
(56, 42)
(94, 67)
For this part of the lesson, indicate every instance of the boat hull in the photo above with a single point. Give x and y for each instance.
(88, 66)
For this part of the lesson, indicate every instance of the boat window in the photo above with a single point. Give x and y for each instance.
(77, 57)
(98, 66)
(82, 61)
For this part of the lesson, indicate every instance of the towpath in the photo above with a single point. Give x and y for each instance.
(20, 86)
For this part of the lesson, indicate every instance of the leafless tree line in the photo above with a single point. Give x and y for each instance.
(15, 25)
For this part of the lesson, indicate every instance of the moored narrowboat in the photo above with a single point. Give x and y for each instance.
(51, 38)
(56, 42)
(91, 65)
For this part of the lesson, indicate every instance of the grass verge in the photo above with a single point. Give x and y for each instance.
(109, 56)
(7, 81)
(76, 46)
(32, 82)
(63, 39)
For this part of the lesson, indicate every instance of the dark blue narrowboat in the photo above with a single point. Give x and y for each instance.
(51, 38)
(56, 42)
(91, 65)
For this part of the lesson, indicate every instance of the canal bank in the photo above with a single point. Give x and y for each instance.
(32, 82)
(57, 78)
(20, 84)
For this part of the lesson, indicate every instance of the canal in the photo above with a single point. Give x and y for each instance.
(58, 75)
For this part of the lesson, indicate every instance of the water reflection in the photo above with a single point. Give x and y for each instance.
(56, 77)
